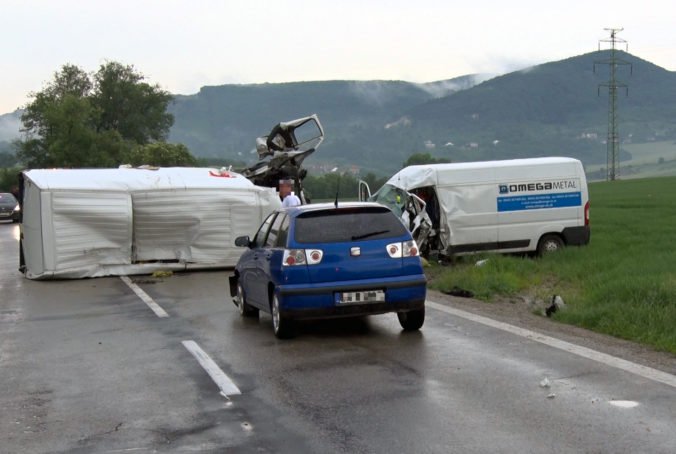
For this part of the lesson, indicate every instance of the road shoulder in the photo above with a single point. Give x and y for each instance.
(518, 313)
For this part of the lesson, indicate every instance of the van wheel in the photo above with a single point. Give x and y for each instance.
(412, 320)
(245, 309)
(549, 243)
(282, 326)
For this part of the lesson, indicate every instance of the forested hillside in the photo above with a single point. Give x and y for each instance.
(552, 109)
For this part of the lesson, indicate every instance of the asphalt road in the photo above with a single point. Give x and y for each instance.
(88, 366)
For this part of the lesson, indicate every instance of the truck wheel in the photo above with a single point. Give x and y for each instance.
(282, 326)
(245, 309)
(412, 320)
(549, 243)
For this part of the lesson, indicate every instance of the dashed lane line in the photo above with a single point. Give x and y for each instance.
(609, 360)
(227, 387)
(145, 297)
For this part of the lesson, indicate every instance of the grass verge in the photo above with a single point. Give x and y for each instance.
(622, 284)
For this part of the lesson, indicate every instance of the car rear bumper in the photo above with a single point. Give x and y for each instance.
(353, 310)
(320, 300)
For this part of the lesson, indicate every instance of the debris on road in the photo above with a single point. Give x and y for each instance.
(159, 274)
(557, 305)
(545, 383)
(457, 291)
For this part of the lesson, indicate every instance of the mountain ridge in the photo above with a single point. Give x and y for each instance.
(555, 108)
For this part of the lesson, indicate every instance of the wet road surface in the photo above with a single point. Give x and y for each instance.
(88, 366)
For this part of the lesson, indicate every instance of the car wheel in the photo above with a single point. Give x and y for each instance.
(281, 325)
(549, 243)
(412, 320)
(245, 309)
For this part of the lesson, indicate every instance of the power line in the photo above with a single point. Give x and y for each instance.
(613, 139)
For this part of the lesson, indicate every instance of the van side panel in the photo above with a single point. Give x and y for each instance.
(470, 214)
(538, 200)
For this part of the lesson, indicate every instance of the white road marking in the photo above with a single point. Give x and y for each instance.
(145, 297)
(227, 387)
(609, 360)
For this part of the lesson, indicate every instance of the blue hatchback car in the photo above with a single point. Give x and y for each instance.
(322, 261)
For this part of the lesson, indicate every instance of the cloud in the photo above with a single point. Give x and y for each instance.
(443, 88)
(374, 92)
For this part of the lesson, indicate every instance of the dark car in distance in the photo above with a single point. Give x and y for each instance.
(9, 208)
(325, 260)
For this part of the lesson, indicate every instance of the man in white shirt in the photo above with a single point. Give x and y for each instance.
(289, 199)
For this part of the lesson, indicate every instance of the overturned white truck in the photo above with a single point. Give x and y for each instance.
(81, 223)
(519, 205)
(97, 222)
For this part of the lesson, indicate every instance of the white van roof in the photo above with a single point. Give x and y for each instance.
(419, 176)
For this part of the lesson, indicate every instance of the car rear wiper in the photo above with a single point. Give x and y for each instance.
(366, 235)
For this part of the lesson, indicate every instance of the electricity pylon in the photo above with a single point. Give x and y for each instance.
(613, 140)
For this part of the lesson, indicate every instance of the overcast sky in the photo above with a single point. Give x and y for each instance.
(183, 45)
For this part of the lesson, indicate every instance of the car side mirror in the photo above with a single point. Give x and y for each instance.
(243, 241)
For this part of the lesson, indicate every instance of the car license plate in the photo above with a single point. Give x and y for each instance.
(367, 296)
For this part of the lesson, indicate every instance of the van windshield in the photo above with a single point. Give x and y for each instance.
(392, 197)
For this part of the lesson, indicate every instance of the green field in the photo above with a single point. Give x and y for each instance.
(652, 159)
(622, 284)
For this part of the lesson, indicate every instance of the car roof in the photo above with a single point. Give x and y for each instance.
(299, 209)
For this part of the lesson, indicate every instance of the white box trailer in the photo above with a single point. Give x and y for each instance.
(536, 204)
(96, 222)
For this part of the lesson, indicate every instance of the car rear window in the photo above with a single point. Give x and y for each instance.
(347, 224)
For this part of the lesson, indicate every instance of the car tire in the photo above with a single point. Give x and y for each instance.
(412, 320)
(282, 326)
(549, 243)
(245, 309)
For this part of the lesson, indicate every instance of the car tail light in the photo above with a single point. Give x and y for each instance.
(394, 250)
(294, 257)
(411, 249)
(586, 213)
(405, 249)
(314, 256)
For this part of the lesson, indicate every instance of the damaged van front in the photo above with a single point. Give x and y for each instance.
(535, 205)
(413, 209)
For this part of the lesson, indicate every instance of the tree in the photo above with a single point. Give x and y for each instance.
(9, 179)
(7, 159)
(324, 187)
(79, 120)
(423, 158)
(373, 181)
(161, 154)
(130, 106)
(38, 117)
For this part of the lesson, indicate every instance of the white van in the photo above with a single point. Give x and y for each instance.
(520, 205)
